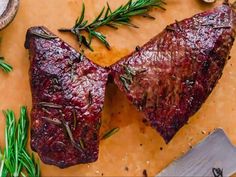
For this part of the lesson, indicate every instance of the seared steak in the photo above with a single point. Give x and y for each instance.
(171, 76)
(68, 95)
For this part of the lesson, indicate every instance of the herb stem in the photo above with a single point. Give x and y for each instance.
(14, 160)
(2, 169)
(120, 16)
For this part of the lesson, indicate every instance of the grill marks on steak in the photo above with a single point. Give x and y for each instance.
(171, 76)
(68, 96)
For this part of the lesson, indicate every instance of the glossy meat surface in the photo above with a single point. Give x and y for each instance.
(171, 76)
(68, 95)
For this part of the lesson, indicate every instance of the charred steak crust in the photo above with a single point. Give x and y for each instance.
(68, 96)
(168, 78)
(171, 76)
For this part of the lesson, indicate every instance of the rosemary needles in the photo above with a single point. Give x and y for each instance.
(109, 133)
(15, 160)
(4, 66)
(120, 16)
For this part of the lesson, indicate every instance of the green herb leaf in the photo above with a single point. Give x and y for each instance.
(4, 66)
(110, 133)
(101, 37)
(127, 77)
(120, 16)
(15, 158)
(80, 20)
(125, 81)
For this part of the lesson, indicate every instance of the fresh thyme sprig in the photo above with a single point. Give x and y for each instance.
(121, 16)
(16, 160)
(4, 66)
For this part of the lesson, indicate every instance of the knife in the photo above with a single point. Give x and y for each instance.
(214, 156)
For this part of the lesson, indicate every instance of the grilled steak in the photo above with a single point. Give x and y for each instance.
(68, 95)
(171, 76)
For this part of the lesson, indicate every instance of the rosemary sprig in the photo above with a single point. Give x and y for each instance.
(3, 170)
(44, 35)
(50, 105)
(4, 66)
(120, 16)
(30, 164)
(127, 77)
(109, 133)
(125, 81)
(16, 161)
(65, 125)
(53, 121)
(70, 135)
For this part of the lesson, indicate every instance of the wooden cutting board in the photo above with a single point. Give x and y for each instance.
(135, 147)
